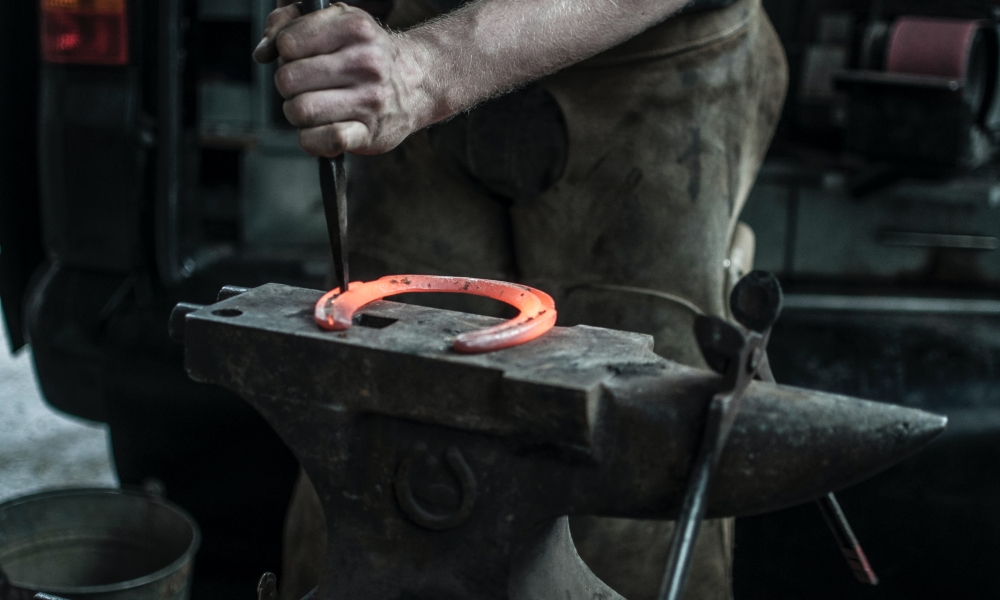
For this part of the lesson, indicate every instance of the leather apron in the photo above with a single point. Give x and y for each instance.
(664, 135)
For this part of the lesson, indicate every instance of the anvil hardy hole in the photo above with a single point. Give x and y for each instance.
(373, 322)
(227, 312)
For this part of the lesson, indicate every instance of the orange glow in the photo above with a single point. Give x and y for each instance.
(335, 311)
(85, 6)
(84, 32)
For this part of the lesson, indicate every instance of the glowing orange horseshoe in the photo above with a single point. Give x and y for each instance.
(335, 311)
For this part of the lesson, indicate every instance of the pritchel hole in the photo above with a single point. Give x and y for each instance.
(373, 322)
(227, 312)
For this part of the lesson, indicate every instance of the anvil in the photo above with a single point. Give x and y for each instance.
(449, 476)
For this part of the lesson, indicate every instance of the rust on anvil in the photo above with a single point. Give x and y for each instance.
(582, 421)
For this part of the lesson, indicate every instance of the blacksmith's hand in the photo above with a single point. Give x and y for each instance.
(349, 84)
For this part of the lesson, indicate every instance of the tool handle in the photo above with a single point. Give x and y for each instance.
(311, 6)
(335, 206)
(756, 300)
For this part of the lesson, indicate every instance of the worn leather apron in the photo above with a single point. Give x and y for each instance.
(664, 136)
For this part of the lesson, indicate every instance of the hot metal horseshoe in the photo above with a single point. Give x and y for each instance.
(335, 311)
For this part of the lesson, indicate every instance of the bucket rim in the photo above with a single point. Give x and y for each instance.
(186, 556)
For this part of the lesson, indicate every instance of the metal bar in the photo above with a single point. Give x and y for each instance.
(903, 304)
(791, 228)
(333, 184)
(263, 75)
(725, 405)
(849, 545)
(693, 509)
(310, 6)
(835, 518)
(167, 209)
(844, 79)
(917, 239)
(340, 253)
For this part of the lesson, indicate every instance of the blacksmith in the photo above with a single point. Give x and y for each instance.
(600, 150)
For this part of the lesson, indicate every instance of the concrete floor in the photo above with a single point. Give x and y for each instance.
(40, 448)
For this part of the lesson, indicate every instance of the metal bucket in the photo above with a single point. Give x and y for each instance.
(96, 544)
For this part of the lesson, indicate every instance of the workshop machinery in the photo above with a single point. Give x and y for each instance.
(888, 248)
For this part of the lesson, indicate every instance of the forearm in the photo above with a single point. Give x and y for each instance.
(491, 46)
(352, 86)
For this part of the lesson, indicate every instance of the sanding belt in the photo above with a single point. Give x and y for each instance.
(937, 47)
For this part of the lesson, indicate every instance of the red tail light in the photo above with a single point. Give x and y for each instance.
(91, 32)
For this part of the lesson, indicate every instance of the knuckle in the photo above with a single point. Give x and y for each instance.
(306, 142)
(370, 62)
(361, 26)
(287, 44)
(289, 111)
(298, 111)
(278, 17)
(377, 98)
(337, 140)
(284, 81)
(322, 141)
(380, 99)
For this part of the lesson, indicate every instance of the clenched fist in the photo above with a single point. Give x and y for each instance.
(349, 85)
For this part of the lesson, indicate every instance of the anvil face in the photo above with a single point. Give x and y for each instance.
(443, 475)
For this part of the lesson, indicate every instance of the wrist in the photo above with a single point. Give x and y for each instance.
(419, 66)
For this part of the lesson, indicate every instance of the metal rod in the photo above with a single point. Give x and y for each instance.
(693, 509)
(892, 304)
(849, 545)
(718, 339)
(310, 6)
(340, 254)
(835, 518)
(167, 211)
(333, 185)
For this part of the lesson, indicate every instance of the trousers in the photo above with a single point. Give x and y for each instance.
(615, 185)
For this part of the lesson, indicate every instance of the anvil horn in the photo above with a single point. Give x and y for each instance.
(827, 442)
(787, 446)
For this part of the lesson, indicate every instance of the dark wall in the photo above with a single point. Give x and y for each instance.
(929, 525)
(20, 233)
